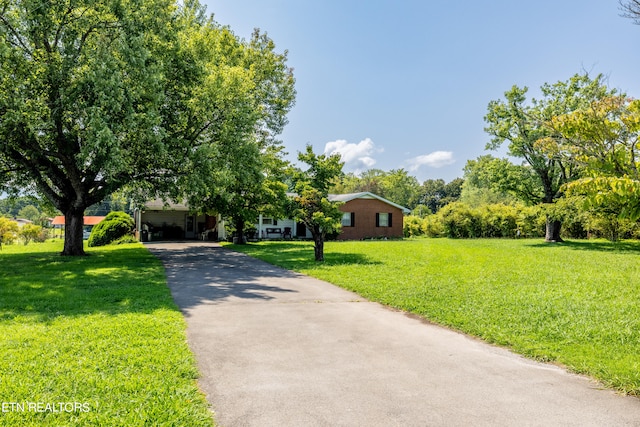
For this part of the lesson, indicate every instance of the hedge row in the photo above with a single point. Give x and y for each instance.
(459, 220)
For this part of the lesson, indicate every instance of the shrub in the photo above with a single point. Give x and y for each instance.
(433, 226)
(412, 226)
(460, 221)
(611, 227)
(32, 232)
(113, 227)
(129, 238)
(8, 231)
(498, 220)
(531, 221)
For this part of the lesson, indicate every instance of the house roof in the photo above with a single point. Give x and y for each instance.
(88, 220)
(22, 221)
(365, 195)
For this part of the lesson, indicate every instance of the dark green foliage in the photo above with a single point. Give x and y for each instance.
(461, 220)
(129, 238)
(116, 225)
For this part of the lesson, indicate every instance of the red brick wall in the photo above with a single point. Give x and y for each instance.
(365, 220)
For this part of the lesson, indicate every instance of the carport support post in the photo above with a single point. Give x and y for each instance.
(137, 217)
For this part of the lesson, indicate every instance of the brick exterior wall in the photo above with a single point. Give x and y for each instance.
(365, 220)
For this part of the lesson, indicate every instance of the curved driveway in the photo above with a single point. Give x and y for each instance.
(276, 348)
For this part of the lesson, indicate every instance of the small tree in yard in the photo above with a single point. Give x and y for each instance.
(8, 230)
(311, 205)
(32, 232)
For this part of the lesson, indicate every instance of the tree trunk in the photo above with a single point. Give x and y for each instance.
(239, 223)
(318, 247)
(552, 233)
(73, 223)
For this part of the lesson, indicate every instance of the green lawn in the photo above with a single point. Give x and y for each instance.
(576, 303)
(95, 340)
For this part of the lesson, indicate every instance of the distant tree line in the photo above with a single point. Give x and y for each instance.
(39, 211)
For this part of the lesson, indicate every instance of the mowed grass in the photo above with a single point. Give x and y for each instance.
(93, 341)
(575, 303)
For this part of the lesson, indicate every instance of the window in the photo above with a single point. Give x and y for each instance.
(348, 219)
(269, 221)
(383, 219)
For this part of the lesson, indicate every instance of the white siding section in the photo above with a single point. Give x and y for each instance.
(281, 224)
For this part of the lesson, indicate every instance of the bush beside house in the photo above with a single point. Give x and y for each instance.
(114, 227)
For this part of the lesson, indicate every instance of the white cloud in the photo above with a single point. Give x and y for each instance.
(354, 155)
(437, 159)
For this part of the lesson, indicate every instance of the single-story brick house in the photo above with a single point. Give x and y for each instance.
(365, 216)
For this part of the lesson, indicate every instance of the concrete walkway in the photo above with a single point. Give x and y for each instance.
(276, 348)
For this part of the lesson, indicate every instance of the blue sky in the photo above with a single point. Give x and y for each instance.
(406, 84)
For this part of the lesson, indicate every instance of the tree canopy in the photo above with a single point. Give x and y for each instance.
(603, 139)
(435, 193)
(631, 9)
(523, 125)
(98, 96)
(94, 95)
(238, 172)
(504, 178)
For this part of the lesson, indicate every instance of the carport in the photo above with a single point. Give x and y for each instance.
(159, 221)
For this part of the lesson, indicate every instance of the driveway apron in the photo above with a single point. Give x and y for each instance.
(276, 348)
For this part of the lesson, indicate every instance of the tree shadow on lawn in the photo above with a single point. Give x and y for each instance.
(200, 274)
(44, 285)
(300, 255)
(626, 246)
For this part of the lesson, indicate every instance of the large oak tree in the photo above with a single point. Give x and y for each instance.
(522, 125)
(95, 95)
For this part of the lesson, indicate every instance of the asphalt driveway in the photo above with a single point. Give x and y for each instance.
(277, 348)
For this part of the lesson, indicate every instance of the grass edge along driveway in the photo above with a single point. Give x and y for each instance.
(95, 340)
(576, 303)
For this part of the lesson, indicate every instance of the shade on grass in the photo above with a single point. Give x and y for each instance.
(101, 332)
(576, 303)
